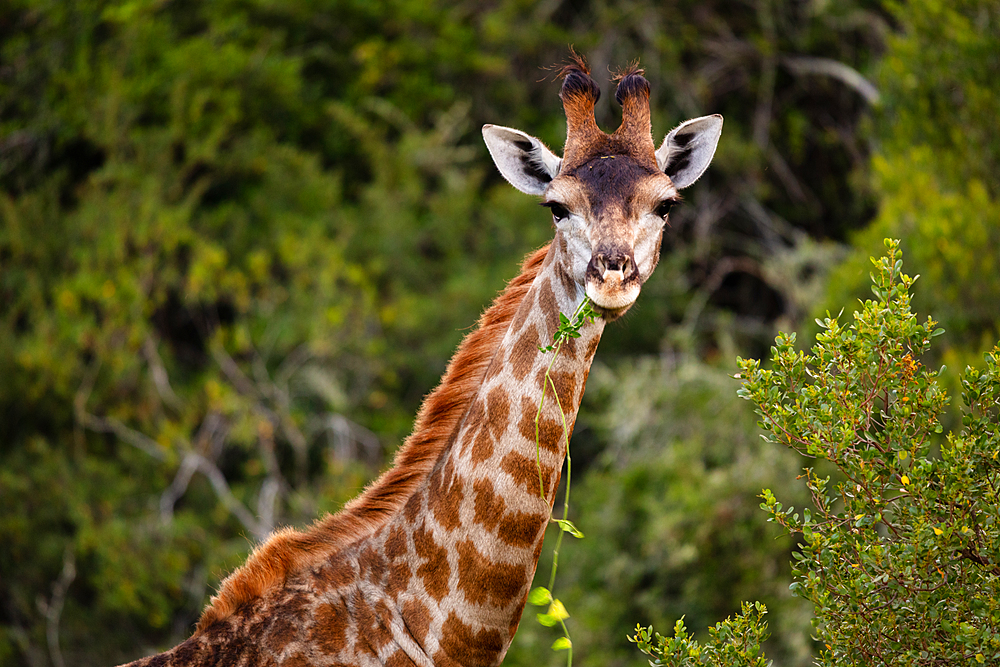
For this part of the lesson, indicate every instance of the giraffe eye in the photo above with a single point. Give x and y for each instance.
(559, 212)
(663, 208)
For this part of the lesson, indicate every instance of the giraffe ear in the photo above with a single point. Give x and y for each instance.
(523, 160)
(687, 151)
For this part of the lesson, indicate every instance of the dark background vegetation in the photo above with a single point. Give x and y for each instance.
(240, 239)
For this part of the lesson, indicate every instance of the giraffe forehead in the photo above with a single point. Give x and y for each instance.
(612, 183)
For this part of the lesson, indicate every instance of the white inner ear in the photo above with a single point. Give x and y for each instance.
(688, 149)
(521, 158)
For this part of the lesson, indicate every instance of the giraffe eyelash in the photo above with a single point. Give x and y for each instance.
(663, 208)
(559, 212)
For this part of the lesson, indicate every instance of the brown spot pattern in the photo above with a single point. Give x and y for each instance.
(442, 659)
(296, 660)
(282, 631)
(550, 431)
(413, 507)
(523, 354)
(524, 471)
(516, 618)
(523, 311)
(489, 506)
(399, 659)
(568, 284)
(475, 417)
(395, 543)
(498, 410)
(417, 619)
(565, 385)
(482, 447)
(399, 578)
(568, 349)
(521, 529)
(445, 496)
(435, 571)
(550, 308)
(329, 633)
(372, 565)
(371, 635)
(333, 575)
(470, 648)
(494, 369)
(592, 348)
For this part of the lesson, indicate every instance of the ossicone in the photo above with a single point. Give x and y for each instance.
(633, 94)
(577, 81)
(579, 94)
(631, 83)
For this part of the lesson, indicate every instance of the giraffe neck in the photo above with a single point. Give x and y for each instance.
(478, 523)
(431, 566)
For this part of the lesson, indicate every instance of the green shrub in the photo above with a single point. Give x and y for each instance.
(900, 552)
(735, 641)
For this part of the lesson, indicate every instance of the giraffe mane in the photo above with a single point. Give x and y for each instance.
(288, 550)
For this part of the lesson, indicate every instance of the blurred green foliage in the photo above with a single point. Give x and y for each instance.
(240, 239)
(934, 170)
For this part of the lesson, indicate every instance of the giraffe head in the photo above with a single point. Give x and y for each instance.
(609, 193)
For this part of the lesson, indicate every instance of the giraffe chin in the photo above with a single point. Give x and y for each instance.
(611, 304)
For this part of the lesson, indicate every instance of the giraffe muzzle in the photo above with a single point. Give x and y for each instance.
(613, 281)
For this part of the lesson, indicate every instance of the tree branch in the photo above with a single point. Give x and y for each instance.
(52, 610)
(159, 374)
(835, 70)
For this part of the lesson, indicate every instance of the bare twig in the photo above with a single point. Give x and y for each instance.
(52, 609)
(210, 438)
(267, 501)
(225, 494)
(177, 488)
(260, 391)
(722, 269)
(129, 435)
(192, 461)
(835, 70)
(768, 74)
(796, 190)
(159, 374)
(350, 440)
(232, 371)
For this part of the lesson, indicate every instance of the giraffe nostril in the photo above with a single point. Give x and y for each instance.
(616, 264)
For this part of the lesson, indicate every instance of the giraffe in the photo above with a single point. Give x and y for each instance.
(431, 564)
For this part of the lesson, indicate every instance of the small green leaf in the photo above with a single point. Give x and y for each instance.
(558, 611)
(567, 527)
(539, 596)
(548, 620)
(562, 644)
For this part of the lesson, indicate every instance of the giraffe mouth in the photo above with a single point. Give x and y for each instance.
(613, 282)
(611, 298)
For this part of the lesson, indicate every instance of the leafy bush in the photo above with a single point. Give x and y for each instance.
(900, 553)
(734, 641)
